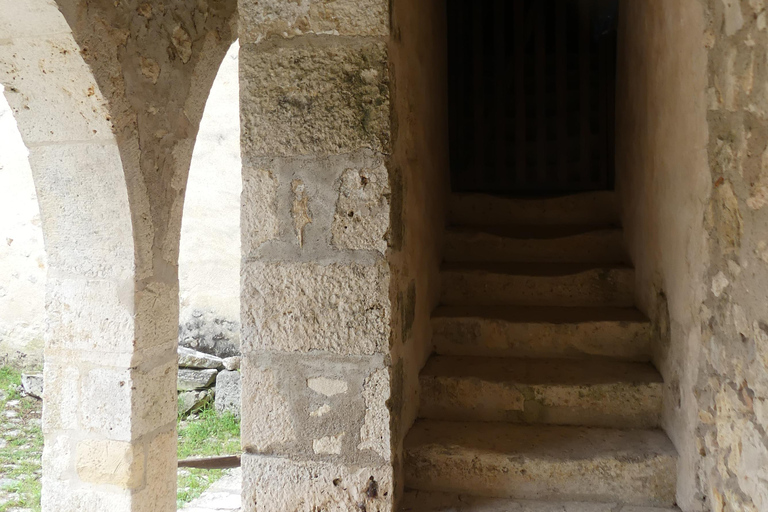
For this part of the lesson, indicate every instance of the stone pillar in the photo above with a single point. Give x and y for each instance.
(315, 300)
(110, 111)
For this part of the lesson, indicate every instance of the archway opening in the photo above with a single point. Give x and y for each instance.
(209, 296)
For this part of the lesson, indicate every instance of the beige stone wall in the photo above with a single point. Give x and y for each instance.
(319, 193)
(663, 183)
(692, 166)
(418, 56)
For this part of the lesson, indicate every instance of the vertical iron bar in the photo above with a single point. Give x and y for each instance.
(585, 110)
(541, 96)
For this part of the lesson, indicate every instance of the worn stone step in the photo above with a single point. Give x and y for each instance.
(490, 210)
(542, 332)
(423, 501)
(539, 462)
(538, 284)
(577, 243)
(596, 393)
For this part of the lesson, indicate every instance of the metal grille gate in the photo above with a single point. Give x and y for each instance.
(531, 87)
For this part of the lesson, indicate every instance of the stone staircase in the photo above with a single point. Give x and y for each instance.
(540, 395)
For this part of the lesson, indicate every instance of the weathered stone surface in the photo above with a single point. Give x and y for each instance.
(259, 20)
(189, 358)
(553, 391)
(446, 502)
(207, 332)
(62, 397)
(542, 462)
(268, 422)
(318, 99)
(232, 363)
(110, 462)
(361, 221)
(191, 401)
(271, 483)
(195, 379)
(375, 433)
(32, 384)
(547, 284)
(542, 332)
(228, 392)
(300, 307)
(259, 222)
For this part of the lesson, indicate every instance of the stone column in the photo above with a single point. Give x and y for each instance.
(315, 298)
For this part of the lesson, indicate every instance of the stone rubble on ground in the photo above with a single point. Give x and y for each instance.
(228, 392)
(191, 401)
(32, 384)
(232, 363)
(189, 358)
(190, 379)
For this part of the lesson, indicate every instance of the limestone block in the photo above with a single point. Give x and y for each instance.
(195, 379)
(84, 207)
(30, 19)
(266, 411)
(375, 432)
(228, 392)
(160, 490)
(190, 401)
(51, 89)
(304, 306)
(57, 456)
(110, 462)
(157, 318)
(189, 358)
(105, 402)
(154, 398)
(261, 19)
(62, 496)
(259, 222)
(88, 315)
(232, 363)
(275, 484)
(62, 397)
(32, 384)
(319, 99)
(361, 221)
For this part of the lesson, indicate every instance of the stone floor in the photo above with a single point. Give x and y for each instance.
(222, 496)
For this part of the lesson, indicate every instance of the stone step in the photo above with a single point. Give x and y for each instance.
(595, 393)
(578, 243)
(541, 332)
(422, 501)
(537, 284)
(539, 462)
(490, 210)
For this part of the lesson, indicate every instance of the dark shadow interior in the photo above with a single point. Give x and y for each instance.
(531, 93)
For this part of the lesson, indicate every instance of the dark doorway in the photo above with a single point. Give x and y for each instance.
(531, 87)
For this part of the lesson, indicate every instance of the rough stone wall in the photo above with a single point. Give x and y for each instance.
(318, 196)
(693, 108)
(109, 111)
(733, 381)
(22, 254)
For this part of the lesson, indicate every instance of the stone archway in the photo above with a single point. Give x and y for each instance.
(108, 100)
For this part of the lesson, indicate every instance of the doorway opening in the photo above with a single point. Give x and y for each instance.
(531, 92)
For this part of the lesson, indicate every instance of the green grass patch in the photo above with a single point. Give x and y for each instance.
(21, 445)
(206, 434)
